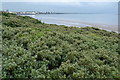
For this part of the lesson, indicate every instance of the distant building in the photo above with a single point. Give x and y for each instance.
(13, 12)
(30, 12)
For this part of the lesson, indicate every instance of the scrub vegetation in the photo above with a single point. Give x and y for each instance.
(32, 49)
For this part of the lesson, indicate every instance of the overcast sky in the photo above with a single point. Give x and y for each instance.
(62, 5)
(60, 0)
(80, 7)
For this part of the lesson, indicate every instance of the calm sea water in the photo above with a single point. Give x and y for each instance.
(110, 19)
(105, 21)
(106, 17)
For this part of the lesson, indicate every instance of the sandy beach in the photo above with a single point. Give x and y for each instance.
(81, 24)
(76, 23)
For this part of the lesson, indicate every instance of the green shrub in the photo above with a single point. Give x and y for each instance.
(32, 49)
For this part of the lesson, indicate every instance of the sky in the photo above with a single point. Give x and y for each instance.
(85, 6)
(80, 7)
(60, 1)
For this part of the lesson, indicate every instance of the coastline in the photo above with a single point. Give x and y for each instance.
(73, 23)
(76, 23)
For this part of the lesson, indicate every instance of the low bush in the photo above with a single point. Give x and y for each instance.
(35, 50)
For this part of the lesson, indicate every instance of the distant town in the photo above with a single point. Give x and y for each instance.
(35, 12)
(32, 12)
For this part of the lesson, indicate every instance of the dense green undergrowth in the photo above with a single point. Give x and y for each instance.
(32, 49)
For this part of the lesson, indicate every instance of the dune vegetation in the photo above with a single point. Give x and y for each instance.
(33, 49)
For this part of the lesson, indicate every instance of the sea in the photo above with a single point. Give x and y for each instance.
(103, 15)
(104, 21)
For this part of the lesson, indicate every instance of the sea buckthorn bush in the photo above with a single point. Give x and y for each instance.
(32, 49)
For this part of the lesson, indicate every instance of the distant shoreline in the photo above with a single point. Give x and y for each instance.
(73, 23)
(110, 28)
(52, 13)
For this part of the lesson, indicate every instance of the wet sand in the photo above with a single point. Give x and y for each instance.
(81, 24)
(75, 23)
